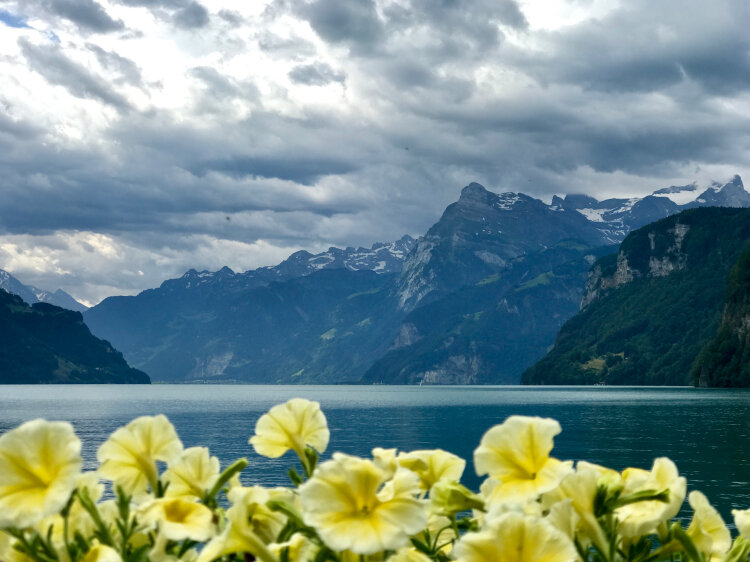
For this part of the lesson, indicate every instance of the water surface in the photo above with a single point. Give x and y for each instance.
(705, 431)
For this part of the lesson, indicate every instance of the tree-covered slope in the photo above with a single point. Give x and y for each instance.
(650, 309)
(725, 360)
(43, 343)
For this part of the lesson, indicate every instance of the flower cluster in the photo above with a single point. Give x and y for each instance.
(169, 503)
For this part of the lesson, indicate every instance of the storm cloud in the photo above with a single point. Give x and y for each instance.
(142, 138)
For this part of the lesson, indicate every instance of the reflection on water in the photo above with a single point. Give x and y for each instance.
(706, 432)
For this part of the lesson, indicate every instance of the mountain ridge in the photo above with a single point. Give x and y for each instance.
(32, 295)
(418, 316)
(43, 343)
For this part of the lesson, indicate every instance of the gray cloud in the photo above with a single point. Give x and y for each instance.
(58, 69)
(232, 17)
(289, 48)
(669, 48)
(123, 68)
(191, 16)
(186, 14)
(88, 15)
(437, 94)
(317, 74)
(304, 170)
(351, 22)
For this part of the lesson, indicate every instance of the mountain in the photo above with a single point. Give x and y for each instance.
(489, 332)
(483, 231)
(307, 319)
(381, 258)
(483, 234)
(43, 343)
(33, 295)
(477, 299)
(322, 327)
(725, 360)
(649, 309)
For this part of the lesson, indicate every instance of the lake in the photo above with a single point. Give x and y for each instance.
(705, 431)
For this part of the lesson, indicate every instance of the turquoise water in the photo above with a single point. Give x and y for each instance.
(706, 432)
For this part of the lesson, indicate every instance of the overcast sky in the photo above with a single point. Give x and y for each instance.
(141, 138)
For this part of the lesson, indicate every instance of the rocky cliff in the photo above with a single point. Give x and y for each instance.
(649, 309)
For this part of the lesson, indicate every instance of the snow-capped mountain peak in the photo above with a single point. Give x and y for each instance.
(31, 294)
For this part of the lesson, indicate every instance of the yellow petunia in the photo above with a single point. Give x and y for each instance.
(707, 529)
(128, 458)
(564, 517)
(292, 425)
(252, 527)
(79, 519)
(515, 454)
(514, 537)
(579, 488)
(408, 554)
(259, 518)
(102, 553)
(742, 522)
(449, 497)
(433, 465)
(640, 518)
(385, 459)
(178, 519)
(350, 504)
(298, 549)
(192, 474)
(39, 466)
(441, 530)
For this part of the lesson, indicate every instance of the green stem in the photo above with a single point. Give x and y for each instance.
(104, 535)
(234, 468)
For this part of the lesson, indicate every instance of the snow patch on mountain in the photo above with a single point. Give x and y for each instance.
(594, 215)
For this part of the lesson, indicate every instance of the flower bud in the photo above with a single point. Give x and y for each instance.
(450, 497)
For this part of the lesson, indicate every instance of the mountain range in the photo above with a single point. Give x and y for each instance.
(32, 295)
(477, 299)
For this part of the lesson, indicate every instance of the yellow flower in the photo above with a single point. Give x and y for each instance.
(79, 519)
(385, 459)
(192, 474)
(352, 507)
(447, 497)
(433, 466)
(179, 519)
(580, 489)
(707, 529)
(516, 455)
(564, 517)
(252, 527)
(128, 458)
(606, 476)
(640, 518)
(258, 517)
(742, 522)
(408, 554)
(102, 553)
(292, 425)
(299, 549)
(514, 537)
(441, 530)
(39, 465)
